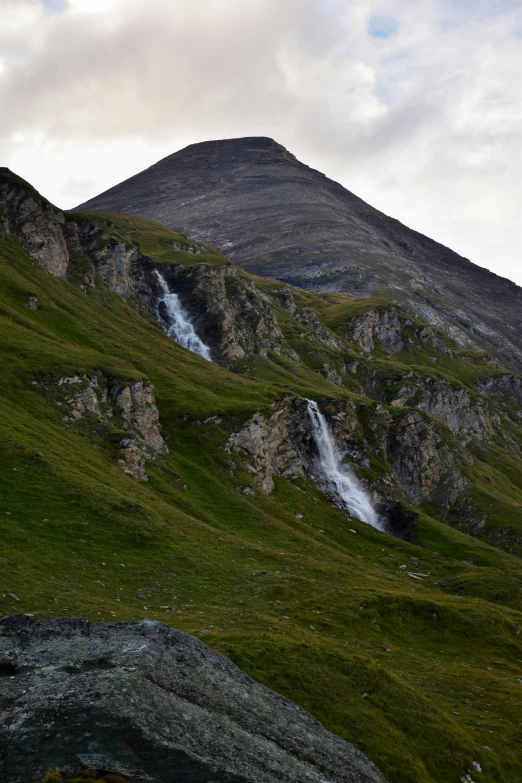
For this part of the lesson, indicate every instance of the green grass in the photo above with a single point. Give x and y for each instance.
(421, 674)
(161, 243)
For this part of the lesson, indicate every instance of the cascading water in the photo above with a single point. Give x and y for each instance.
(179, 326)
(338, 474)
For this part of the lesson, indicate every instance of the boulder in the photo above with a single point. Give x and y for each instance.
(149, 702)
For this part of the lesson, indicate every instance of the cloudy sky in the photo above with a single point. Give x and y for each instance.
(414, 105)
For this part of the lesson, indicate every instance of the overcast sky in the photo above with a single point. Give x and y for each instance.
(414, 105)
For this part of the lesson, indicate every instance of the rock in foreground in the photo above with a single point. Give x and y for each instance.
(154, 704)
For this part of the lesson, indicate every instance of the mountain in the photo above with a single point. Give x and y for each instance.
(276, 216)
(141, 481)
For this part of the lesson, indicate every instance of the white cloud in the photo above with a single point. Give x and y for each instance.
(412, 104)
(92, 6)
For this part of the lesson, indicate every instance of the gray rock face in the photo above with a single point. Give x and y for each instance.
(274, 444)
(371, 326)
(310, 320)
(424, 466)
(282, 443)
(420, 464)
(82, 395)
(277, 217)
(230, 312)
(37, 225)
(429, 336)
(132, 459)
(114, 262)
(140, 414)
(115, 266)
(141, 417)
(502, 388)
(453, 406)
(154, 704)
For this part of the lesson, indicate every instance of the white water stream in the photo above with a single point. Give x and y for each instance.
(341, 478)
(179, 326)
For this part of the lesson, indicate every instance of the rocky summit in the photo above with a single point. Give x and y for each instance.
(154, 704)
(275, 216)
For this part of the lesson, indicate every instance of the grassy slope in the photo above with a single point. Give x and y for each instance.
(496, 471)
(494, 475)
(153, 239)
(421, 675)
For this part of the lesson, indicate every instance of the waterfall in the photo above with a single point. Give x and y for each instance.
(178, 325)
(339, 476)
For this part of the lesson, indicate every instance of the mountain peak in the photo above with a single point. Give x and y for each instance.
(279, 218)
(250, 143)
(251, 148)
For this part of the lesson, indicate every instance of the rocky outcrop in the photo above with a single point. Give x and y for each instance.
(388, 332)
(133, 408)
(229, 311)
(114, 265)
(381, 326)
(140, 417)
(333, 375)
(132, 459)
(154, 704)
(140, 413)
(429, 336)
(270, 442)
(361, 330)
(281, 443)
(505, 388)
(423, 464)
(190, 247)
(37, 225)
(118, 264)
(319, 332)
(454, 406)
(82, 395)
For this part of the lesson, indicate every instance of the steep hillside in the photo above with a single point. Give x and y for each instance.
(141, 480)
(275, 216)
